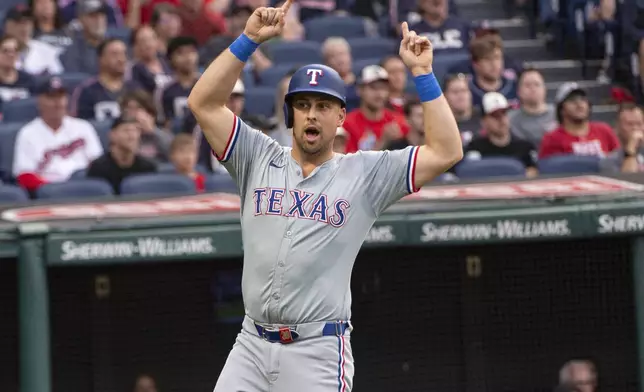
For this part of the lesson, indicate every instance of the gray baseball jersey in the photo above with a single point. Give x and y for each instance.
(301, 235)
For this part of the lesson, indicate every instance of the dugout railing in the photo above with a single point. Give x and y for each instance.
(465, 288)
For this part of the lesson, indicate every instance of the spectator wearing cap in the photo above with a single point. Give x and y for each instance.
(14, 84)
(172, 99)
(150, 69)
(372, 126)
(81, 55)
(139, 12)
(337, 55)
(166, 23)
(70, 11)
(199, 22)
(630, 131)
(447, 33)
(511, 68)
(36, 57)
(97, 98)
(576, 134)
(416, 136)
(155, 142)
(397, 72)
(487, 62)
(122, 160)
(459, 97)
(534, 117)
(54, 145)
(49, 24)
(496, 139)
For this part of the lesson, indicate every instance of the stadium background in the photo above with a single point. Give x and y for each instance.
(159, 321)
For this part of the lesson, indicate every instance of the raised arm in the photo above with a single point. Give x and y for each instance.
(208, 98)
(442, 148)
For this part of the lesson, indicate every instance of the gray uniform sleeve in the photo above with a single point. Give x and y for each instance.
(246, 148)
(389, 176)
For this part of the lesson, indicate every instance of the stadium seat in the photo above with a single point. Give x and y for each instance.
(73, 80)
(369, 48)
(12, 194)
(79, 174)
(158, 184)
(103, 130)
(319, 29)
(569, 164)
(489, 167)
(167, 167)
(20, 110)
(306, 52)
(8, 133)
(272, 76)
(442, 63)
(260, 101)
(221, 183)
(360, 64)
(75, 189)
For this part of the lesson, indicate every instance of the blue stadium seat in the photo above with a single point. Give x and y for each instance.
(369, 48)
(103, 131)
(442, 63)
(20, 110)
(260, 101)
(489, 167)
(12, 194)
(75, 189)
(79, 174)
(167, 167)
(305, 52)
(248, 78)
(272, 76)
(569, 164)
(8, 133)
(73, 80)
(319, 29)
(122, 33)
(360, 64)
(158, 184)
(221, 183)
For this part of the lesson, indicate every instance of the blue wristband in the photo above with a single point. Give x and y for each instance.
(243, 47)
(427, 87)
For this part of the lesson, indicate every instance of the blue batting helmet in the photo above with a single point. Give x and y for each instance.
(314, 78)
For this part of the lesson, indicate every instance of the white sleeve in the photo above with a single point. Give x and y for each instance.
(25, 153)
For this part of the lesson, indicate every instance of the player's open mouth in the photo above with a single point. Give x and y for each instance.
(311, 134)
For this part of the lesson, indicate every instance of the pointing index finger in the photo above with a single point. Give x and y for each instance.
(405, 29)
(287, 5)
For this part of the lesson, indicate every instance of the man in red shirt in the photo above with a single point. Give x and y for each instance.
(372, 126)
(199, 22)
(576, 134)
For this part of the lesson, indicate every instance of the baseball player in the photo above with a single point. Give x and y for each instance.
(306, 211)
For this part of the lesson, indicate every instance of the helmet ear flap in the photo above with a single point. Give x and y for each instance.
(288, 114)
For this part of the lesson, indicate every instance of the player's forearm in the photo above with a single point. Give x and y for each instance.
(215, 85)
(442, 137)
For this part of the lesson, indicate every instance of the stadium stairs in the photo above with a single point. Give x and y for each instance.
(534, 52)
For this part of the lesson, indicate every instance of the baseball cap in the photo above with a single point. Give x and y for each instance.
(239, 87)
(18, 12)
(178, 42)
(91, 6)
(373, 73)
(50, 85)
(566, 90)
(493, 102)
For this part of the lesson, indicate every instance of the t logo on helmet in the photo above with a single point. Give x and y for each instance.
(314, 73)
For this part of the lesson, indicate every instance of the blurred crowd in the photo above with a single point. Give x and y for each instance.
(98, 88)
